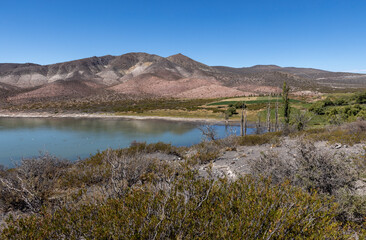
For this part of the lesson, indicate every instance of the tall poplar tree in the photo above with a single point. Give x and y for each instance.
(286, 103)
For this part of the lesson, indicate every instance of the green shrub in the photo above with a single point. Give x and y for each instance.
(340, 102)
(318, 108)
(142, 147)
(231, 111)
(328, 102)
(362, 114)
(360, 98)
(193, 208)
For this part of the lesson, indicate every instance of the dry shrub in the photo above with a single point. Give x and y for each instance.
(310, 169)
(96, 170)
(314, 170)
(229, 142)
(322, 171)
(301, 120)
(205, 152)
(360, 163)
(28, 186)
(86, 173)
(129, 171)
(355, 127)
(271, 166)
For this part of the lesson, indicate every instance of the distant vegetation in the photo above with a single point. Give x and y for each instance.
(111, 105)
(337, 109)
(320, 110)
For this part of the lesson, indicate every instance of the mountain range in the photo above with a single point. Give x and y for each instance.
(147, 75)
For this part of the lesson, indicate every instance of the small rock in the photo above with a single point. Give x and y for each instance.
(338, 146)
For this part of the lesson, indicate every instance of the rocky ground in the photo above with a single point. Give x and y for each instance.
(234, 163)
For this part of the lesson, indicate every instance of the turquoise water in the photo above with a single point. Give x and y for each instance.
(78, 138)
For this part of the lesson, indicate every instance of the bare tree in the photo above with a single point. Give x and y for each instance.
(258, 124)
(208, 132)
(269, 116)
(301, 120)
(243, 121)
(276, 115)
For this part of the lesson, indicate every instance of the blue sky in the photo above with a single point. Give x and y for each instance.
(326, 34)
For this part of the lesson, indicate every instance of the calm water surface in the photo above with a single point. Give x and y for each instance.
(78, 138)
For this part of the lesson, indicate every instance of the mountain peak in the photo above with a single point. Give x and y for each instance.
(266, 67)
(187, 63)
(179, 56)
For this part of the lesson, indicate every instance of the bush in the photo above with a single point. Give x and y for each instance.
(323, 172)
(30, 184)
(205, 152)
(271, 165)
(310, 169)
(318, 108)
(313, 170)
(119, 170)
(142, 147)
(340, 102)
(357, 127)
(301, 120)
(193, 208)
(231, 111)
(360, 98)
(362, 114)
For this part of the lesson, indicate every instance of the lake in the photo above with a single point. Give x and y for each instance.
(72, 139)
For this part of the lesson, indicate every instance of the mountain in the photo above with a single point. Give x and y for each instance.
(147, 75)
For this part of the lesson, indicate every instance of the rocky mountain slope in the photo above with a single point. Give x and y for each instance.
(142, 74)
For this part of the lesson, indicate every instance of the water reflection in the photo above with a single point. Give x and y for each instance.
(74, 138)
(109, 126)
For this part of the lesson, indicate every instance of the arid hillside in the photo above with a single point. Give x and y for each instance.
(142, 74)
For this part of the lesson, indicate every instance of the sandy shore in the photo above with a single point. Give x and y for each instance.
(104, 116)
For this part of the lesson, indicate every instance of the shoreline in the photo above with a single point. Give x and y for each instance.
(108, 116)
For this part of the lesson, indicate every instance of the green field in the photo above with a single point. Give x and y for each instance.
(259, 101)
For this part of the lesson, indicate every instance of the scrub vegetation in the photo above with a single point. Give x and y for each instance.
(158, 191)
(308, 182)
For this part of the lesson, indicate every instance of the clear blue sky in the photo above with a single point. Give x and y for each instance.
(326, 34)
